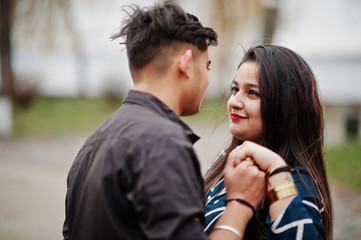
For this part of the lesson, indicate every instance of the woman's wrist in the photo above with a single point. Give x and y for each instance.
(277, 163)
(279, 179)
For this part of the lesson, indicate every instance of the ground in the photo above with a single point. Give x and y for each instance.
(33, 174)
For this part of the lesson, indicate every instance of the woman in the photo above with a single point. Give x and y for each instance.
(274, 102)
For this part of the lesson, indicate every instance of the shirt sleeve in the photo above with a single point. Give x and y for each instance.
(168, 195)
(300, 220)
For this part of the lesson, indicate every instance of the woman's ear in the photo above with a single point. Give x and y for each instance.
(184, 62)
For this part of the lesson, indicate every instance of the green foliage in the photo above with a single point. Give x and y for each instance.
(54, 116)
(50, 116)
(344, 164)
(211, 110)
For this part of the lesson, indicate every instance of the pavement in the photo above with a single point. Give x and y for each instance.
(33, 173)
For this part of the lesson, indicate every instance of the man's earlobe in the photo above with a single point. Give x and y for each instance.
(185, 62)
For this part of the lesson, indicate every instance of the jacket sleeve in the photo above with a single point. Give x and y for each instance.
(301, 219)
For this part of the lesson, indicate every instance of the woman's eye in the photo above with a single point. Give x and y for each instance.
(253, 93)
(234, 90)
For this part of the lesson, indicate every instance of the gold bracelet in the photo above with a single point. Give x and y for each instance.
(281, 192)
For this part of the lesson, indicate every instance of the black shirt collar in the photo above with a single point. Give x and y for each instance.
(153, 103)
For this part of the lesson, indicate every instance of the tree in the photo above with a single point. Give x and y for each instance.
(7, 75)
(270, 20)
(241, 23)
(44, 30)
(232, 19)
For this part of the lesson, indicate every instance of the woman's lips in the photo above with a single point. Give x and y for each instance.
(236, 116)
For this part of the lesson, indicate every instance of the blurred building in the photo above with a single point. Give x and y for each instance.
(85, 61)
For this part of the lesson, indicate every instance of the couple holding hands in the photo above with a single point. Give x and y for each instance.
(138, 177)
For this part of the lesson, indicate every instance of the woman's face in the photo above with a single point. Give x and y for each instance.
(244, 104)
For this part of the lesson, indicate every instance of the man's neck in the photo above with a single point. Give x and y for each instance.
(164, 92)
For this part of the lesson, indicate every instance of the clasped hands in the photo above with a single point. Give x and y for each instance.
(246, 169)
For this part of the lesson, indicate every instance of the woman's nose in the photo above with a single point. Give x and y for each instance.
(236, 101)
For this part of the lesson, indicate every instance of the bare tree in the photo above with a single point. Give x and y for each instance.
(231, 20)
(270, 19)
(240, 23)
(7, 75)
(77, 47)
(39, 21)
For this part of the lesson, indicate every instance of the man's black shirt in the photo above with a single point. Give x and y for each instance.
(136, 177)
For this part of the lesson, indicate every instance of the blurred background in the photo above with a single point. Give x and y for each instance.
(62, 76)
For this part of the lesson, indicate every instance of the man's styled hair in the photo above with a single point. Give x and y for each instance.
(151, 32)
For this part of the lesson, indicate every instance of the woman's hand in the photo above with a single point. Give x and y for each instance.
(249, 178)
(246, 180)
(265, 158)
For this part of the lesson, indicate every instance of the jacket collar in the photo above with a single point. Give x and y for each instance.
(151, 102)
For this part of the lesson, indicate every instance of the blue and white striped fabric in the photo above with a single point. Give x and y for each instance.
(300, 220)
(215, 205)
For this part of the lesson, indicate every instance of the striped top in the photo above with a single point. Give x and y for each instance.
(300, 220)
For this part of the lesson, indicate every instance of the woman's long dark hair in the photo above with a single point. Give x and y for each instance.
(292, 114)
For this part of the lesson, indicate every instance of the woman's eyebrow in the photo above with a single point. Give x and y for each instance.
(246, 84)
(251, 85)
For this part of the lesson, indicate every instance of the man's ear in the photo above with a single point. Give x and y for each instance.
(184, 62)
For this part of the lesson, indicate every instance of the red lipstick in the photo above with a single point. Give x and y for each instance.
(236, 116)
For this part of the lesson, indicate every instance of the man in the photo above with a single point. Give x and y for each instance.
(137, 176)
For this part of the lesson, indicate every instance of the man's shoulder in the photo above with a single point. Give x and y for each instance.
(148, 123)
